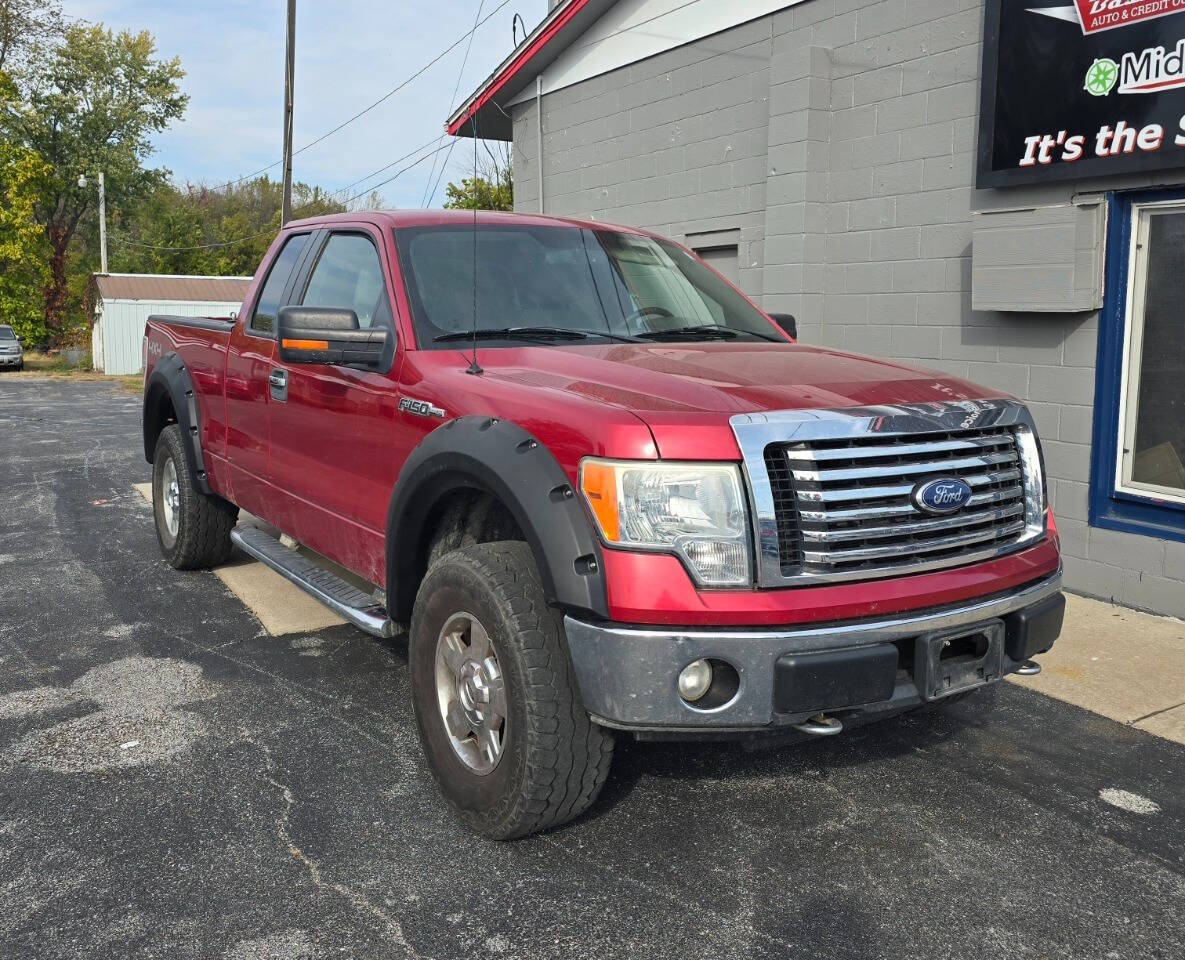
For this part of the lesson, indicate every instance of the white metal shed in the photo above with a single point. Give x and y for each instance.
(124, 301)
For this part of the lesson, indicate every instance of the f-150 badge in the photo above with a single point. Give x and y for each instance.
(421, 408)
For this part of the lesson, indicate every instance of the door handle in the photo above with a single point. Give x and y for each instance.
(277, 380)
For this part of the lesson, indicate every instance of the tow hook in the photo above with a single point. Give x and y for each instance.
(1029, 668)
(820, 726)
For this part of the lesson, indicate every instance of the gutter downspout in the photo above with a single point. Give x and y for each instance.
(539, 133)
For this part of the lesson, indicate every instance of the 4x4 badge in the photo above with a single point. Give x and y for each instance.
(421, 408)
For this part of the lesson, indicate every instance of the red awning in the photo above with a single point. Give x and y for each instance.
(486, 108)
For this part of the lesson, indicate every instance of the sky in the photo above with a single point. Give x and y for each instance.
(348, 54)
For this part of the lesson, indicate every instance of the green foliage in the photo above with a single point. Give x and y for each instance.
(89, 103)
(493, 192)
(24, 253)
(242, 221)
(81, 99)
(24, 24)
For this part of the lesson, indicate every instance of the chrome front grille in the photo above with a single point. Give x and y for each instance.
(851, 500)
(833, 489)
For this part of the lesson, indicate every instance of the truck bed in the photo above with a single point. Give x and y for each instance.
(201, 343)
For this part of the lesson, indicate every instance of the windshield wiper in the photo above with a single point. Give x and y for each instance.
(696, 332)
(530, 333)
(512, 333)
(705, 331)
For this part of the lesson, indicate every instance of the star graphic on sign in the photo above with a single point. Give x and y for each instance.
(1101, 77)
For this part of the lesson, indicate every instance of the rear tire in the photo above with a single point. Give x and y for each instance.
(193, 528)
(481, 624)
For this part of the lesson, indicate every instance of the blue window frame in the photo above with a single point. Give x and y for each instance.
(1110, 506)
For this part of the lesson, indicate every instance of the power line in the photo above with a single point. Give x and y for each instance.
(424, 201)
(374, 173)
(386, 96)
(200, 246)
(396, 175)
(272, 233)
(440, 176)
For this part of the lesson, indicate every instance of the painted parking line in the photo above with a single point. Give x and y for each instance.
(280, 607)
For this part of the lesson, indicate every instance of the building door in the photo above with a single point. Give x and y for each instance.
(1151, 448)
(725, 261)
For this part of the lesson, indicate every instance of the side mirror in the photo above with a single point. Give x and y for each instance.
(329, 335)
(787, 322)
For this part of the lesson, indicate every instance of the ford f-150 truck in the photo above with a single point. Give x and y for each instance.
(608, 494)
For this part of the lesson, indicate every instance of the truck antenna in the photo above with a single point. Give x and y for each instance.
(474, 367)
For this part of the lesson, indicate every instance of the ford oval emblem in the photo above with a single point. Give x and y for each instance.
(941, 495)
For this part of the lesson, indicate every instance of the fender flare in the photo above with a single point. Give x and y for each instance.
(502, 459)
(171, 378)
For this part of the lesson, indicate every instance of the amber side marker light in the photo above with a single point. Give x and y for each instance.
(599, 484)
(305, 344)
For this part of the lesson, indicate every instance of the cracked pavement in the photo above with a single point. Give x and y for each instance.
(176, 783)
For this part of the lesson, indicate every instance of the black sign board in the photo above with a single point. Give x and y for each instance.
(1081, 88)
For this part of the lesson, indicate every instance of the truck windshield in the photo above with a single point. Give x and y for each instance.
(7, 334)
(569, 280)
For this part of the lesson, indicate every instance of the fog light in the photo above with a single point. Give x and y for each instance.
(695, 680)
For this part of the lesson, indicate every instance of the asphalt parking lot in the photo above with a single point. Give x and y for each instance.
(175, 782)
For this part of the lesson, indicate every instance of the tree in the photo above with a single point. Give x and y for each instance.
(194, 229)
(25, 24)
(90, 103)
(478, 193)
(491, 189)
(372, 201)
(23, 253)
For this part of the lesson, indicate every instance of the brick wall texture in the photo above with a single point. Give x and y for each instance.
(839, 137)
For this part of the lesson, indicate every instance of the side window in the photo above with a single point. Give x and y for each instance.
(263, 320)
(348, 276)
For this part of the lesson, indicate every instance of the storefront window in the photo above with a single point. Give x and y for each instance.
(1138, 460)
(1152, 447)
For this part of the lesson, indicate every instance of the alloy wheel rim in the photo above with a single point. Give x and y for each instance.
(170, 497)
(471, 693)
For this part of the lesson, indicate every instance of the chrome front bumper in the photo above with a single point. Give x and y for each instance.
(627, 675)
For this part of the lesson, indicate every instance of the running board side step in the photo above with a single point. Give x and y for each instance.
(344, 599)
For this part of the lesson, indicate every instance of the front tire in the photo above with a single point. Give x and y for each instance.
(193, 528)
(501, 722)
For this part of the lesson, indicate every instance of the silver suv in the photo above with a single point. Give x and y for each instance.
(11, 354)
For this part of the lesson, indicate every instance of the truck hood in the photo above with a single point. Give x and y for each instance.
(723, 378)
(686, 393)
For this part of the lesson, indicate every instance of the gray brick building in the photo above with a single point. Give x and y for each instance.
(824, 154)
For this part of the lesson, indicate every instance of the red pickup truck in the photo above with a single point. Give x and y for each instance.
(609, 495)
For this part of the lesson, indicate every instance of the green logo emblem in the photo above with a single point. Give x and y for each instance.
(1102, 77)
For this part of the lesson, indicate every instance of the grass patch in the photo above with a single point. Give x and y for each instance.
(131, 384)
(57, 367)
(50, 363)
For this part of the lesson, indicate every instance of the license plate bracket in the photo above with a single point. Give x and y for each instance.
(955, 660)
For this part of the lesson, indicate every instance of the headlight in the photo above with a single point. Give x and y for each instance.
(1032, 467)
(694, 510)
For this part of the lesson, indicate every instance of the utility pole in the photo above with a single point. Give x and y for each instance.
(289, 78)
(102, 218)
(102, 224)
